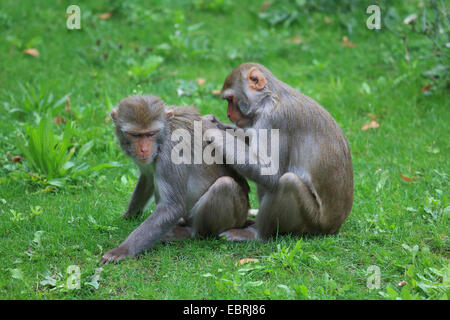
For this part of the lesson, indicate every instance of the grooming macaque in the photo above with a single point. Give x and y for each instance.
(208, 198)
(312, 190)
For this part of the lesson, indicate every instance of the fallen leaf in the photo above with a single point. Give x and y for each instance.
(407, 179)
(372, 116)
(105, 15)
(244, 261)
(68, 104)
(327, 20)
(427, 87)
(216, 92)
(200, 81)
(265, 5)
(133, 45)
(410, 19)
(17, 158)
(59, 120)
(295, 40)
(371, 125)
(347, 43)
(32, 52)
(402, 283)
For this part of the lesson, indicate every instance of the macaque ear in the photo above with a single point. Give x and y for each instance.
(113, 114)
(255, 79)
(169, 114)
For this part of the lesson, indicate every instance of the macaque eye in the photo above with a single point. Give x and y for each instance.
(229, 99)
(152, 133)
(134, 134)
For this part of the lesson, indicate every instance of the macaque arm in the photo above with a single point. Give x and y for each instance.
(257, 166)
(142, 193)
(220, 125)
(162, 220)
(225, 126)
(167, 213)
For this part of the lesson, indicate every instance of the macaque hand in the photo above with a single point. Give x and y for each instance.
(210, 117)
(115, 255)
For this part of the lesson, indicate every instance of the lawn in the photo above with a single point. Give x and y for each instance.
(388, 89)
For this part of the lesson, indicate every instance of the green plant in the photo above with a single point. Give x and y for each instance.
(144, 69)
(44, 151)
(431, 22)
(37, 100)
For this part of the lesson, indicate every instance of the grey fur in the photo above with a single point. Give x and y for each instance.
(312, 191)
(209, 198)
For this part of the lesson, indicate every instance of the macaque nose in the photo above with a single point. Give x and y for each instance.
(144, 152)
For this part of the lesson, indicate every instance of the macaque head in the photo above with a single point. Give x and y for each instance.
(244, 89)
(139, 121)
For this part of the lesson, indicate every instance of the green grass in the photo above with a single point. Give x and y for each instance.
(401, 227)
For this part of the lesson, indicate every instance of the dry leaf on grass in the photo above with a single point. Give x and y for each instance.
(327, 20)
(17, 158)
(216, 92)
(407, 179)
(32, 52)
(105, 15)
(295, 40)
(200, 81)
(59, 120)
(402, 283)
(244, 261)
(68, 104)
(371, 125)
(265, 5)
(427, 87)
(347, 43)
(410, 19)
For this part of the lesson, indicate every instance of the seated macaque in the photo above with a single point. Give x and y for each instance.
(311, 192)
(210, 199)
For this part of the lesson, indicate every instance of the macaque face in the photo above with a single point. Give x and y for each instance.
(243, 89)
(234, 113)
(142, 143)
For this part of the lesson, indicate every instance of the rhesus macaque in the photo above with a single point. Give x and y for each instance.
(208, 198)
(312, 190)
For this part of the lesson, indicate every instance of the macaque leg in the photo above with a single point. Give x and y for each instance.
(290, 209)
(224, 206)
(140, 196)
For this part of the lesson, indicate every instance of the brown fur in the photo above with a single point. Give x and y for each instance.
(315, 173)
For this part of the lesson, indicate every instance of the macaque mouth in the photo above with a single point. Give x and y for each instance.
(144, 159)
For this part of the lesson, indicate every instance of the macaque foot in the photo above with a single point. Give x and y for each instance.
(115, 255)
(245, 234)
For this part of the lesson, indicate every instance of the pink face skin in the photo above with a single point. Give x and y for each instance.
(235, 115)
(143, 143)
